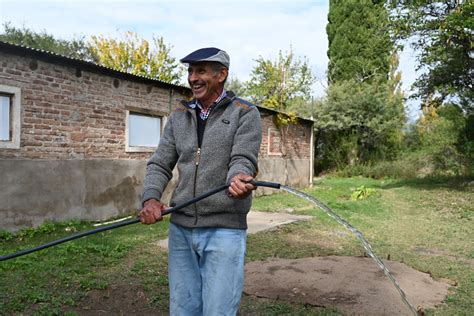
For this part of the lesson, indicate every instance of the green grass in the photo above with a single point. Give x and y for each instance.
(425, 223)
(43, 282)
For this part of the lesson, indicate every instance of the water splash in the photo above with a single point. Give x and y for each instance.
(359, 236)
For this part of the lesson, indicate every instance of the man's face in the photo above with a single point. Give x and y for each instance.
(205, 83)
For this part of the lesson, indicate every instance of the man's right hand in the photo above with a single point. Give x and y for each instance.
(151, 212)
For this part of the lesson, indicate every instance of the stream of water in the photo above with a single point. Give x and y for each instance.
(359, 236)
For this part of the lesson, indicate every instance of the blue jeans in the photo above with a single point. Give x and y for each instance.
(205, 270)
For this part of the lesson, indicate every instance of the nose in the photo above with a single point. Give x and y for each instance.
(192, 76)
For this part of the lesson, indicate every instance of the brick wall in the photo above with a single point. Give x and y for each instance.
(291, 142)
(72, 160)
(70, 113)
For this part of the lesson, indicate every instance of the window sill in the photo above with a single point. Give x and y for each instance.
(138, 149)
(9, 145)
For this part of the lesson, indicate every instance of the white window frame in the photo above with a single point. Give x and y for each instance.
(135, 149)
(15, 117)
(273, 131)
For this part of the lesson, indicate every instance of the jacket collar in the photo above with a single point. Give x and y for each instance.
(225, 100)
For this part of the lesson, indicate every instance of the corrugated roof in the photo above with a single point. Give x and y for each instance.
(42, 54)
(88, 65)
(285, 113)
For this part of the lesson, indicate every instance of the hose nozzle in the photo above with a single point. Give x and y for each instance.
(266, 184)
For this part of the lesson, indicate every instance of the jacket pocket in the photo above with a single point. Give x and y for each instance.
(180, 197)
(221, 203)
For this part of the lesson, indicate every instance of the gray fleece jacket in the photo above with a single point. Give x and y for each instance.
(230, 145)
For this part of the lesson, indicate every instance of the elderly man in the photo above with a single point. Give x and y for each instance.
(213, 140)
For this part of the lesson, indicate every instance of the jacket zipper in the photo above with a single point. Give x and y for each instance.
(196, 160)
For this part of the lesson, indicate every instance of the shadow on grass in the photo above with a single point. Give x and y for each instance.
(456, 183)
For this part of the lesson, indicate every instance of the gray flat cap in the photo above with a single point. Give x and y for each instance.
(208, 54)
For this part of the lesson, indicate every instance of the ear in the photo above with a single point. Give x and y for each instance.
(223, 73)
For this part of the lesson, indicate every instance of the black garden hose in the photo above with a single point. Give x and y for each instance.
(130, 221)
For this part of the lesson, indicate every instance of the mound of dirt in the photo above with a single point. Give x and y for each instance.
(352, 285)
(117, 299)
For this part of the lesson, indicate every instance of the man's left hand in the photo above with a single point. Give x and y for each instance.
(240, 186)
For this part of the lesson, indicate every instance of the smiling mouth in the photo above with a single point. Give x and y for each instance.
(197, 87)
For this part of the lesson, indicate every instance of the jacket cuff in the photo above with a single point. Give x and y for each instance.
(236, 172)
(150, 194)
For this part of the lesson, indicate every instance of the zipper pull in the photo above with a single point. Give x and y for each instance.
(198, 156)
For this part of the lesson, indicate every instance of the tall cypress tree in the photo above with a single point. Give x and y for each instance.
(359, 41)
(362, 116)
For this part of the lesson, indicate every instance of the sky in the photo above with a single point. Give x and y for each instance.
(245, 29)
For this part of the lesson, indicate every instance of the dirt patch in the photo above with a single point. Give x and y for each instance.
(117, 299)
(351, 285)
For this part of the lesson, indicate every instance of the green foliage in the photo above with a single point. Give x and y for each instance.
(282, 119)
(443, 33)
(251, 305)
(441, 135)
(404, 167)
(280, 85)
(359, 40)
(277, 84)
(47, 228)
(467, 141)
(135, 55)
(439, 144)
(362, 118)
(92, 284)
(75, 48)
(362, 193)
(131, 54)
(236, 86)
(5, 235)
(358, 123)
(305, 107)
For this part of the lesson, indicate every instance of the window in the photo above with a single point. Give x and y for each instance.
(5, 124)
(10, 102)
(143, 132)
(274, 142)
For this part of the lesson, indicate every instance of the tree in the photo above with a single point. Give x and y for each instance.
(279, 84)
(75, 48)
(134, 55)
(359, 40)
(442, 142)
(443, 36)
(236, 86)
(358, 123)
(361, 119)
(305, 107)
